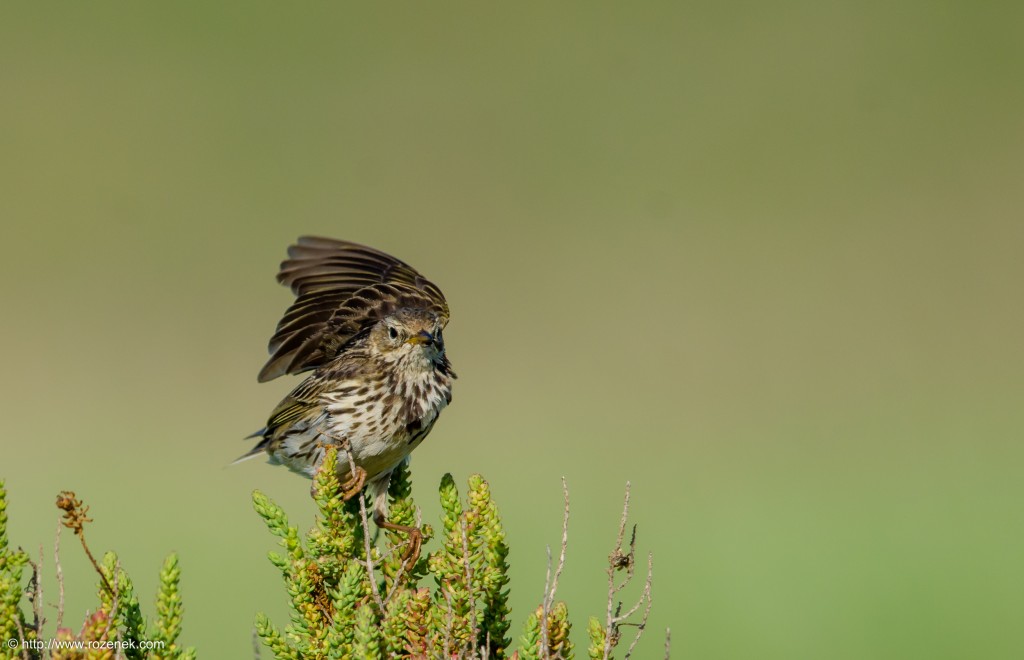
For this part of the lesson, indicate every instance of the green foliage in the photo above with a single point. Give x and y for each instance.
(350, 605)
(529, 648)
(351, 598)
(167, 626)
(117, 622)
(557, 640)
(122, 607)
(12, 563)
(494, 577)
(367, 638)
(597, 634)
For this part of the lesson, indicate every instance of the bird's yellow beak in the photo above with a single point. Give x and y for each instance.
(422, 337)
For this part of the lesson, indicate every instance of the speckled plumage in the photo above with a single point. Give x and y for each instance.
(370, 328)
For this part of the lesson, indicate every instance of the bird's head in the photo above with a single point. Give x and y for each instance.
(412, 335)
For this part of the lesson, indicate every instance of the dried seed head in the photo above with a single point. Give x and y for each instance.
(74, 511)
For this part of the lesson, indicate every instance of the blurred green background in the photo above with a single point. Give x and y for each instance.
(762, 259)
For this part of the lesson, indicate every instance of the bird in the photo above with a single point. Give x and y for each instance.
(369, 328)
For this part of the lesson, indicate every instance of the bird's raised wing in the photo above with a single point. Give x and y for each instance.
(340, 288)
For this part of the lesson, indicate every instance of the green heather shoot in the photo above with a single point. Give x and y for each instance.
(348, 603)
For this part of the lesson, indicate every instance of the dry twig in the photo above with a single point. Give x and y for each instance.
(60, 578)
(449, 620)
(35, 593)
(368, 546)
(551, 583)
(21, 634)
(645, 596)
(619, 561)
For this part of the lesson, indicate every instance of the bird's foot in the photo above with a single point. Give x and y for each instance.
(412, 553)
(354, 485)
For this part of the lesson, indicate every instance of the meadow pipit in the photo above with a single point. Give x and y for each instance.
(369, 328)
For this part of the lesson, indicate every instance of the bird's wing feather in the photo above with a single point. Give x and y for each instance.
(304, 399)
(302, 404)
(340, 288)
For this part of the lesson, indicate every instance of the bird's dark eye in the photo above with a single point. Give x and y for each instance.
(392, 332)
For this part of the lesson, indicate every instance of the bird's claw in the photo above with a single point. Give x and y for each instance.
(415, 541)
(412, 553)
(354, 485)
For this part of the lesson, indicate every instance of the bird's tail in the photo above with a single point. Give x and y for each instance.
(255, 451)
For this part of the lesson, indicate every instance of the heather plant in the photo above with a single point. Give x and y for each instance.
(353, 598)
(115, 629)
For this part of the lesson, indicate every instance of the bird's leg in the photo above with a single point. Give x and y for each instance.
(379, 487)
(354, 485)
(412, 553)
